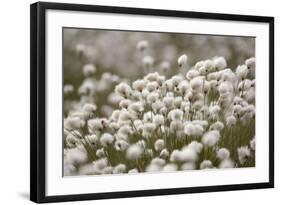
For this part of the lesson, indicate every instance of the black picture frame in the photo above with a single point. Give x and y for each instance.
(38, 100)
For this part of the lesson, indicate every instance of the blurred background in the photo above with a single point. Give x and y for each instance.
(96, 60)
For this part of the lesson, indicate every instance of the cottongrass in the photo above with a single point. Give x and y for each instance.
(202, 119)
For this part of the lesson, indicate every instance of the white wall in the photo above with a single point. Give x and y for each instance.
(14, 109)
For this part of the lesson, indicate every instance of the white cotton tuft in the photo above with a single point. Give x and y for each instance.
(238, 109)
(199, 64)
(243, 154)
(188, 154)
(168, 84)
(219, 63)
(214, 111)
(125, 115)
(134, 152)
(158, 161)
(152, 76)
(145, 93)
(148, 61)
(176, 79)
(175, 114)
(136, 107)
(183, 86)
(115, 115)
(211, 138)
(242, 71)
(148, 116)
(206, 164)
(217, 126)
(100, 164)
(152, 86)
(89, 108)
(223, 154)
(139, 85)
(182, 60)
(123, 89)
(165, 67)
(225, 89)
(121, 145)
(192, 74)
(80, 48)
(106, 139)
(76, 156)
(168, 101)
(164, 153)
(226, 164)
(196, 146)
(125, 130)
(228, 75)
(202, 70)
(214, 84)
(89, 70)
(189, 129)
(148, 129)
(160, 80)
(209, 65)
(73, 123)
(142, 45)
(197, 84)
(230, 121)
(71, 139)
(176, 156)
(152, 97)
(158, 120)
(251, 63)
(94, 139)
(68, 89)
(192, 129)
(100, 153)
(213, 76)
(114, 126)
(178, 101)
(124, 103)
(119, 169)
(136, 95)
(156, 106)
(245, 85)
(176, 126)
(159, 144)
(202, 123)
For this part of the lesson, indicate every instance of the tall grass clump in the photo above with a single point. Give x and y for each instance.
(202, 118)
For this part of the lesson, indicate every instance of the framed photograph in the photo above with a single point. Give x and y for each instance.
(129, 102)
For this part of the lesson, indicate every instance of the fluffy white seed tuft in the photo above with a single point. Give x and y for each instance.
(211, 138)
(182, 60)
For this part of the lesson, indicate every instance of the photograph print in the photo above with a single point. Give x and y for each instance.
(136, 102)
